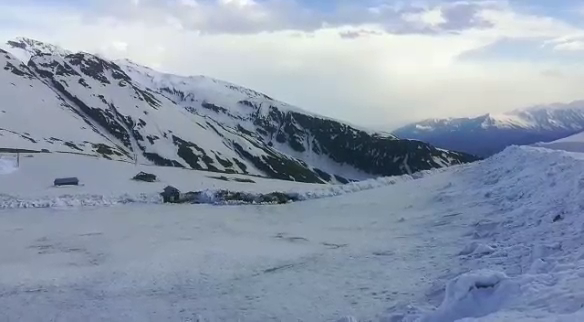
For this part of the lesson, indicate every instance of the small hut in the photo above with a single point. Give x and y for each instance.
(170, 194)
(71, 181)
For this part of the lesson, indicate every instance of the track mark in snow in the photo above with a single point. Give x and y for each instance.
(290, 238)
(384, 253)
(335, 246)
(278, 268)
(90, 234)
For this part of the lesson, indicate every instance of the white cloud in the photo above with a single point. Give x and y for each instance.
(353, 69)
(575, 45)
(570, 43)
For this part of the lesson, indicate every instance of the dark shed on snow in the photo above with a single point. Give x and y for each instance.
(170, 194)
(71, 181)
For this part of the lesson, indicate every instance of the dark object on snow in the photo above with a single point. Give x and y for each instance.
(170, 194)
(244, 180)
(250, 198)
(72, 181)
(558, 218)
(146, 177)
(173, 195)
(222, 178)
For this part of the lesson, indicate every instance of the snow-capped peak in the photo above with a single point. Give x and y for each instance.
(506, 121)
(24, 48)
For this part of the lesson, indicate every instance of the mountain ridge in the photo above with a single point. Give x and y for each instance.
(490, 133)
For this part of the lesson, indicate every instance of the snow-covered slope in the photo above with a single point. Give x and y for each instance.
(34, 117)
(205, 124)
(491, 133)
(573, 143)
(496, 240)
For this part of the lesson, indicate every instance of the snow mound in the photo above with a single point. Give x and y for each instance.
(474, 294)
(11, 202)
(521, 258)
(7, 166)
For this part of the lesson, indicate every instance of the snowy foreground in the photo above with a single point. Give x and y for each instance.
(499, 240)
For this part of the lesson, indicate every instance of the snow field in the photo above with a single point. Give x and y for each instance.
(7, 165)
(497, 240)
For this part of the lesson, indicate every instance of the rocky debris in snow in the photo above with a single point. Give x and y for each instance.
(224, 178)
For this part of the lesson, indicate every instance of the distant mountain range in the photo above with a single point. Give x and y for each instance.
(54, 100)
(491, 133)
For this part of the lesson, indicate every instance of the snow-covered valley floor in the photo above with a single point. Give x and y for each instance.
(498, 240)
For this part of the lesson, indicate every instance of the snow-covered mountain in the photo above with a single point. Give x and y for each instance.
(491, 133)
(82, 103)
(34, 117)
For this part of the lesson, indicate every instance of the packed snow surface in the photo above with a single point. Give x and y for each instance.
(7, 165)
(497, 240)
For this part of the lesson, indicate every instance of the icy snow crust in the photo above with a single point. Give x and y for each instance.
(497, 240)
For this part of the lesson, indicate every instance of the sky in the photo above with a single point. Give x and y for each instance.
(377, 63)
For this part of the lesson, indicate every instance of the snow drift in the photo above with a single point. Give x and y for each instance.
(523, 258)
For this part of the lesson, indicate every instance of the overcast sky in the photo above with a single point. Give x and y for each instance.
(370, 62)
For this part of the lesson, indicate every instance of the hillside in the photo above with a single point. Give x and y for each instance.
(135, 114)
(491, 133)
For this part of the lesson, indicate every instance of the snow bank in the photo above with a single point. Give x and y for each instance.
(474, 294)
(523, 258)
(11, 202)
(7, 166)
(211, 196)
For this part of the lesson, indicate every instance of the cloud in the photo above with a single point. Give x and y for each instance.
(574, 45)
(251, 16)
(463, 16)
(570, 43)
(370, 63)
(352, 34)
